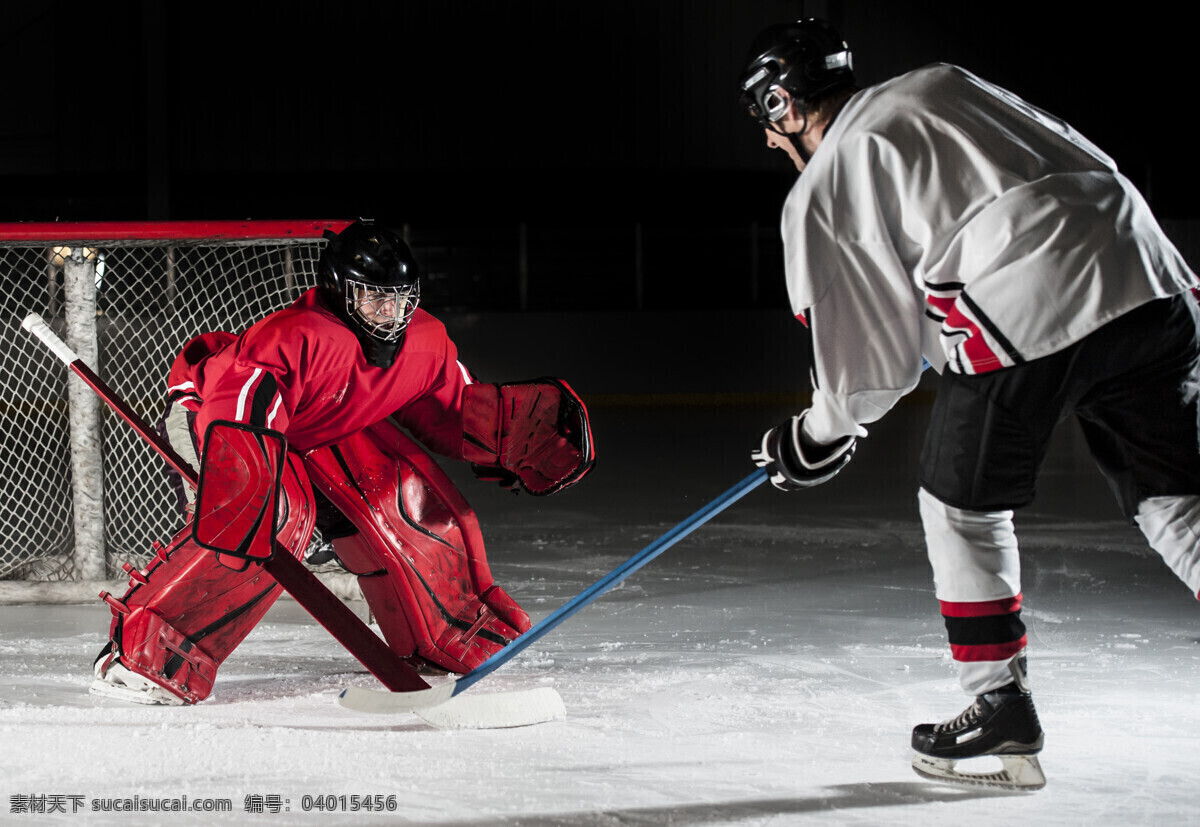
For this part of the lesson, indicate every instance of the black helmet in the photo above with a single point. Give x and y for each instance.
(368, 278)
(806, 58)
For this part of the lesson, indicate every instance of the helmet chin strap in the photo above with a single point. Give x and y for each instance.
(795, 137)
(801, 149)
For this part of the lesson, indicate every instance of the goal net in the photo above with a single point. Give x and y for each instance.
(82, 493)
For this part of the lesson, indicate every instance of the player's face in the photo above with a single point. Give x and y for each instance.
(381, 308)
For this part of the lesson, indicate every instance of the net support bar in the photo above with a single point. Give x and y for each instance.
(87, 468)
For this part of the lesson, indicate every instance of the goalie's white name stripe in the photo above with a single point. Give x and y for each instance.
(36, 325)
(274, 409)
(241, 406)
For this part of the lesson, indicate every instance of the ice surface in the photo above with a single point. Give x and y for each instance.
(766, 671)
(747, 677)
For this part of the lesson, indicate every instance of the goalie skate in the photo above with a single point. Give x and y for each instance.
(1000, 724)
(114, 680)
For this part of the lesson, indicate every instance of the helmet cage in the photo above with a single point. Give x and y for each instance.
(760, 93)
(382, 311)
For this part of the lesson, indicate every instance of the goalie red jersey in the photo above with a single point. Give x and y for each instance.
(302, 372)
(335, 374)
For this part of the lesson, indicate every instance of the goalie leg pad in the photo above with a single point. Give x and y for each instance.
(185, 613)
(538, 432)
(419, 552)
(167, 657)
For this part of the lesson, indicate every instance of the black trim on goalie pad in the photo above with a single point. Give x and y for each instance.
(449, 618)
(243, 504)
(175, 661)
(1128, 384)
(341, 461)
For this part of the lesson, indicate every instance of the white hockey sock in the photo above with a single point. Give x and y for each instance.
(973, 553)
(984, 676)
(975, 559)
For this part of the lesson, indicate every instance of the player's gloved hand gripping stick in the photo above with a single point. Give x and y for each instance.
(794, 463)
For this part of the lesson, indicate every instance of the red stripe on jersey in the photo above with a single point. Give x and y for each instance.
(987, 652)
(800, 317)
(984, 608)
(943, 304)
(976, 350)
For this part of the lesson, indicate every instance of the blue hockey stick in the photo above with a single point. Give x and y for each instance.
(372, 700)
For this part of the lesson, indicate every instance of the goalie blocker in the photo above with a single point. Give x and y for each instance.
(534, 434)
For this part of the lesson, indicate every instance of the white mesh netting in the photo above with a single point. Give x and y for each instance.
(151, 298)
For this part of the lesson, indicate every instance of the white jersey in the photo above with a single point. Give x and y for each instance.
(943, 217)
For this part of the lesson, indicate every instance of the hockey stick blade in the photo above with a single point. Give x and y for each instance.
(437, 708)
(425, 699)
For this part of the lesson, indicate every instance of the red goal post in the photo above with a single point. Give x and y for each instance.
(82, 494)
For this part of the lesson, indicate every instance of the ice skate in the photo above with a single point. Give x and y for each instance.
(115, 680)
(1001, 723)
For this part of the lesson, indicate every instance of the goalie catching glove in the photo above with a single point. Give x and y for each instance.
(793, 461)
(534, 434)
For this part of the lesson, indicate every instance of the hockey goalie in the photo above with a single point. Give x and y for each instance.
(338, 377)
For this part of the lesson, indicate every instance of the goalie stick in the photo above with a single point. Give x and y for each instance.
(429, 702)
(498, 710)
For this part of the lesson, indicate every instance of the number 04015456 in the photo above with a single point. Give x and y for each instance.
(348, 803)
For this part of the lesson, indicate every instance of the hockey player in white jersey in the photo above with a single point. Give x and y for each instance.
(940, 218)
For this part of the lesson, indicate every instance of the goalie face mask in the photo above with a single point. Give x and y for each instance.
(382, 311)
(369, 278)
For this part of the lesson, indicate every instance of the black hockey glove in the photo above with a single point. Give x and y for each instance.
(795, 462)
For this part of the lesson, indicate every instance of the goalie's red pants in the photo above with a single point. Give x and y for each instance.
(418, 554)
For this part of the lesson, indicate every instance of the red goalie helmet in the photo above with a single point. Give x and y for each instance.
(368, 277)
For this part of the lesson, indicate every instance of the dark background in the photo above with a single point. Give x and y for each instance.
(539, 155)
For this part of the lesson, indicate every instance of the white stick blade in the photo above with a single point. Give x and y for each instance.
(380, 701)
(497, 710)
(439, 707)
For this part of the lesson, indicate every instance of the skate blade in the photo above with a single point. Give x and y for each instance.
(1020, 773)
